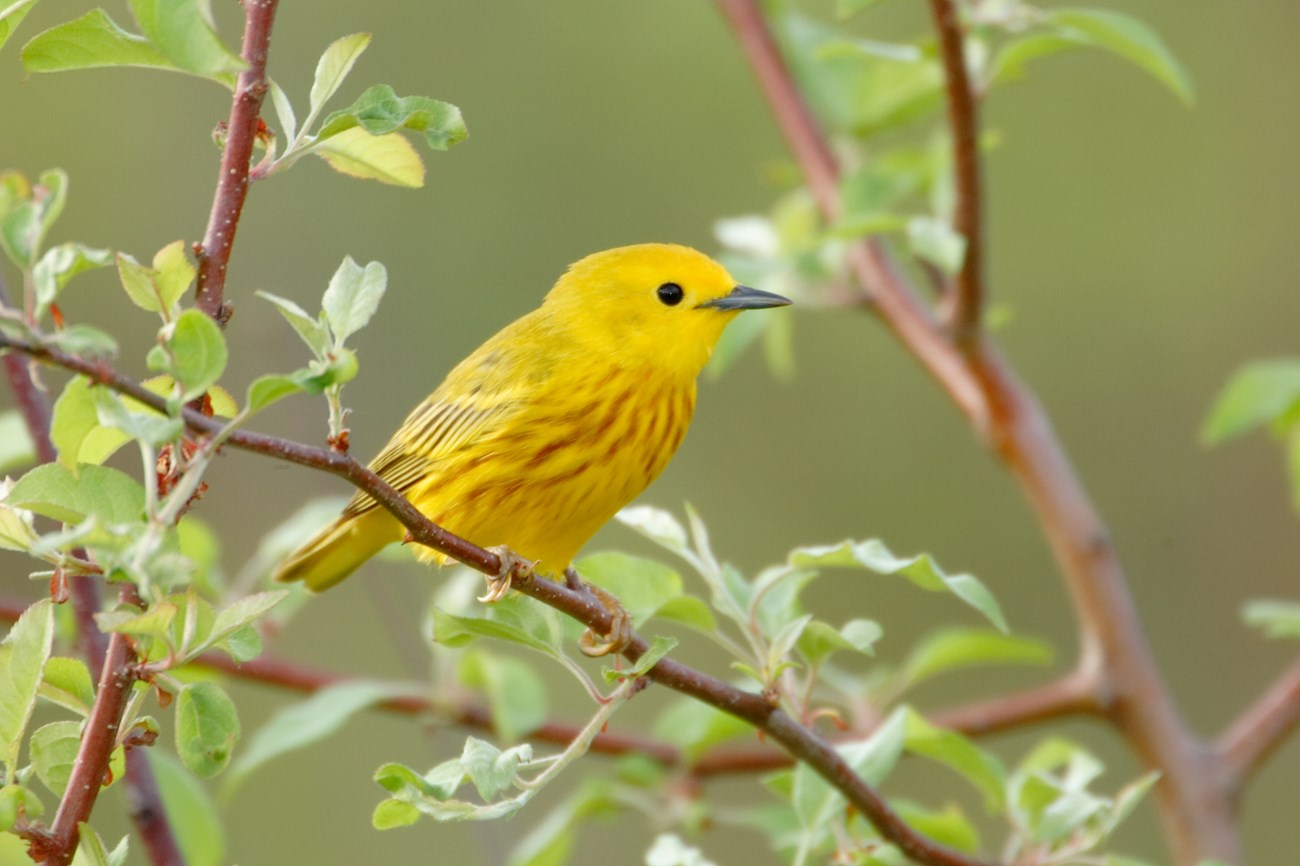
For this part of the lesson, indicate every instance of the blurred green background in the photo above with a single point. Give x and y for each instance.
(1144, 250)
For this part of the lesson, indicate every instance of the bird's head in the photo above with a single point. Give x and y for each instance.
(661, 303)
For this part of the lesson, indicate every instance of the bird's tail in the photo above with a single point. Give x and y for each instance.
(339, 549)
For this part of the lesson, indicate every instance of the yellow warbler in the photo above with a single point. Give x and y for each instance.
(551, 426)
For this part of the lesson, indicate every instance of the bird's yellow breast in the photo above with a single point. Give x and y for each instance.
(545, 480)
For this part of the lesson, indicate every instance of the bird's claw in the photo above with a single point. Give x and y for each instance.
(515, 571)
(620, 632)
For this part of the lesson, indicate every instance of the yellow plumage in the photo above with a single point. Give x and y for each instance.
(555, 423)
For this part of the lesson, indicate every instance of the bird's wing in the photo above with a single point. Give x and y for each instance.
(481, 395)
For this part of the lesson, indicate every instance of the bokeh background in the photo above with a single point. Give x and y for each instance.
(1144, 250)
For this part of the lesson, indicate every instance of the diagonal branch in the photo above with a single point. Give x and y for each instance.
(966, 299)
(803, 744)
(232, 183)
(1261, 729)
(1195, 806)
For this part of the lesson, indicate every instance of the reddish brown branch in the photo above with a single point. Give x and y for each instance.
(1261, 729)
(232, 182)
(967, 298)
(803, 744)
(142, 789)
(90, 768)
(1194, 804)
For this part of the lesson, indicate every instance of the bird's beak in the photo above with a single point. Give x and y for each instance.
(745, 298)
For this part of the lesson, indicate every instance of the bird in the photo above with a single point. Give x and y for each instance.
(543, 433)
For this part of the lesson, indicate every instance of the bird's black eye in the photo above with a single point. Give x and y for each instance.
(671, 294)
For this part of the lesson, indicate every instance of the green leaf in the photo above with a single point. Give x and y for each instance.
(90, 41)
(921, 570)
(819, 639)
(16, 532)
(689, 611)
(1275, 618)
(551, 841)
(657, 525)
(352, 297)
(51, 490)
(22, 660)
(16, 800)
(491, 770)
(659, 647)
(1131, 39)
(311, 330)
(284, 111)
(24, 226)
(11, 17)
(85, 340)
(207, 727)
(158, 288)
(950, 748)
(157, 621)
(74, 418)
(516, 694)
(394, 813)
(948, 825)
(386, 158)
(148, 426)
(695, 727)
(190, 812)
(813, 798)
(515, 619)
(91, 850)
(268, 389)
(1257, 394)
(198, 353)
(243, 613)
(59, 265)
(53, 751)
(937, 242)
(334, 66)
(182, 30)
(669, 849)
(954, 648)
(307, 722)
(16, 446)
(380, 111)
(642, 586)
(67, 683)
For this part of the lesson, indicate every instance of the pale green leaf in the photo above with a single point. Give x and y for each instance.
(182, 31)
(955, 648)
(74, 418)
(380, 110)
(934, 240)
(190, 812)
(284, 111)
(641, 585)
(51, 490)
(198, 353)
(388, 158)
(244, 612)
(950, 748)
(491, 770)
(60, 264)
(695, 727)
(67, 683)
(22, 661)
(352, 297)
(312, 331)
(11, 16)
(657, 525)
(669, 849)
(334, 66)
(1131, 39)
(516, 694)
(819, 639)
(302, 724)
(16, 446)
(16, 532)
(90, 41)
(53, 751)
(173, 273)
(207, 726)
(1257, 394)
(516, 619)
(659, 647)
(1274, 618)
(921, 570)
(85, 340)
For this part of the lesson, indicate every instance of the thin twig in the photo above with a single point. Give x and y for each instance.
(1194, 805)
(967, 297)
(232, 183)
(803, 744)
(1261, 729)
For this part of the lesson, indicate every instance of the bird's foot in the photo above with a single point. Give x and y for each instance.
(514, 571)
(620, 632)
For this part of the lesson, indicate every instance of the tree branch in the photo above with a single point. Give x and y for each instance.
(97, 744)
(232, 183)
(1261, 729)
(142, 789)
(1194, 804)
(803, 744)
(966, 298)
